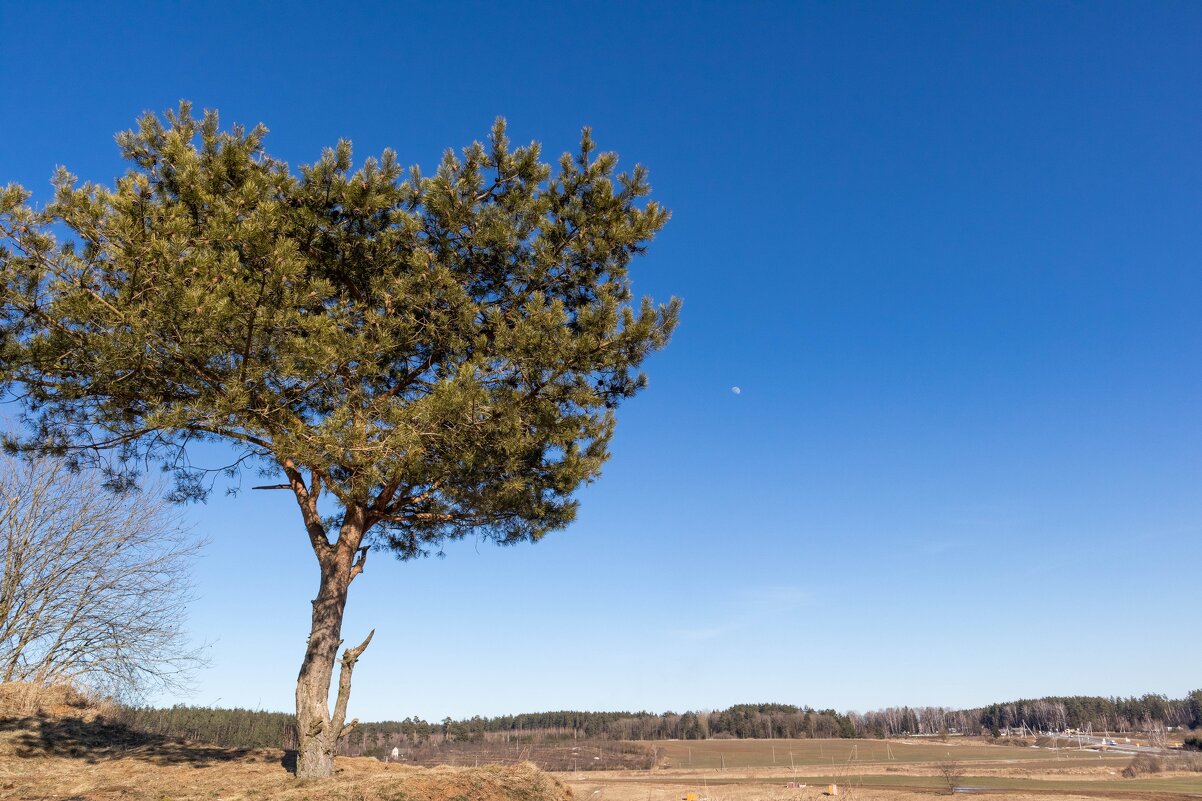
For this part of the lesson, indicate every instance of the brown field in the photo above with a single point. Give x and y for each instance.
(552, 755)
(787, 753)
(875, 770)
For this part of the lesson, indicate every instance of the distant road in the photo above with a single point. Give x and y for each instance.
(1110, 743)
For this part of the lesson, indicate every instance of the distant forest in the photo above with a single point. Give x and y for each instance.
(257, 729)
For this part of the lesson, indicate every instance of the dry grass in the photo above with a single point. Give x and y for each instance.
(1144, 764)
(260, 776)
(19, 699)
(55, 745)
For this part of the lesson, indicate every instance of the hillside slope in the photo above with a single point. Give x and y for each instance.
(65, 749)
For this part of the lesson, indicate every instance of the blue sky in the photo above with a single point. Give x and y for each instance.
(949, 252)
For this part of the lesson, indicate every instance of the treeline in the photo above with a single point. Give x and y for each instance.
(780, 721)
(235, 728)
(256, 729)
(740, 721)
(1106, 714)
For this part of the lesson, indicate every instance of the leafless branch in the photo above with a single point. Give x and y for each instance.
(95, 584)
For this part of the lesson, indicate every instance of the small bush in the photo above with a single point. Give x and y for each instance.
(1143, 764)
(1190, 762)
(1193, 742)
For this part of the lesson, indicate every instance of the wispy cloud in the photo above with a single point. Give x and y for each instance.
(744, 609)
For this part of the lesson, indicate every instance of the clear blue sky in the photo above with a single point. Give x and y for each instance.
(948, 251)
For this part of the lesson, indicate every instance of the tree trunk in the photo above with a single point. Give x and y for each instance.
(317, 729)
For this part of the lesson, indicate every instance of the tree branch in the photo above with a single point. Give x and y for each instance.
(308, 506)
(349, 657)
(360, 561)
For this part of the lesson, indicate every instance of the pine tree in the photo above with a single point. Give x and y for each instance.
(432, 357)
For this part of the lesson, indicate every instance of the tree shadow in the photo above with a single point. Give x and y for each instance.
(100, 740)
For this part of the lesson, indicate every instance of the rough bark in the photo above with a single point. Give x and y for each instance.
(317, 729)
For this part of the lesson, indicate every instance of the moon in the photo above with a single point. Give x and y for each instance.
(736, 390)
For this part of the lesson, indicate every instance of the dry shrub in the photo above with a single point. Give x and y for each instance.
(21, 699)
(1190, 762)
(1144, 764)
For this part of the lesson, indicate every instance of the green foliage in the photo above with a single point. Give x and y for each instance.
(442, 353)
(1195, 709)
(234, 728)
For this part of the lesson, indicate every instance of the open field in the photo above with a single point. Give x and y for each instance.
(553, 755)
(868, 770)
(737, 754)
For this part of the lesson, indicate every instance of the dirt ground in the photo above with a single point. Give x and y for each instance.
(767, 785)
(585, 790)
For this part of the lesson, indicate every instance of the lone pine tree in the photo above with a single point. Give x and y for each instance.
(415, 358)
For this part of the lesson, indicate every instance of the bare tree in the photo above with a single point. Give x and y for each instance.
(95, 584)
(952, 773)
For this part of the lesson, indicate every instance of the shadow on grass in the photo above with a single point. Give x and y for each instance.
(100, 740)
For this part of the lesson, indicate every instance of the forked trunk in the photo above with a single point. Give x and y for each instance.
(317, 728)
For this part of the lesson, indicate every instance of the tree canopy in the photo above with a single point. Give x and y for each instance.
(444, 352)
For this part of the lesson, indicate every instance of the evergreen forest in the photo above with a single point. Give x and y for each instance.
(248, 728)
